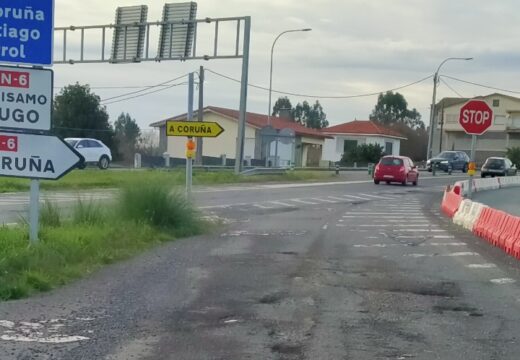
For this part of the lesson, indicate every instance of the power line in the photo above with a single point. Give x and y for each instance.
(81, 129)
(143, 90)
(481, 85)
(148, 93)
(115, 87)
(449, 87)
(322, 96)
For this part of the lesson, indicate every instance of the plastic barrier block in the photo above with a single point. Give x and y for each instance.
(512, 235)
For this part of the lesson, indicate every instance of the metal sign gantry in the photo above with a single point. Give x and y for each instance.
(132, 43)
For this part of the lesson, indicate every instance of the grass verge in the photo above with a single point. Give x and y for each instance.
(91, 237)
(92, 178)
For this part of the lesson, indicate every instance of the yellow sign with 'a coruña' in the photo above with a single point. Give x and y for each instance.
(193, 128)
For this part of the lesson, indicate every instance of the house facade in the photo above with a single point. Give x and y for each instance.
(503, 133)
(304, 148)
(351, 134)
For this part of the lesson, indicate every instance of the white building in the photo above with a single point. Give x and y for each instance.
(351, 134)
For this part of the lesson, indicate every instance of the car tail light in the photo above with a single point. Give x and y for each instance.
(401, 169)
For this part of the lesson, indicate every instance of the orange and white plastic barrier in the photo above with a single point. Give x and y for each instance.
(495, 226)
(451, 200)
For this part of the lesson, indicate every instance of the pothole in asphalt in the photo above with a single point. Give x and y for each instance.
(287, 349)
(271, 298)
(442, 289)
(471, 311)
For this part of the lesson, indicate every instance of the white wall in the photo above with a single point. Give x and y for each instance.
(333, 148)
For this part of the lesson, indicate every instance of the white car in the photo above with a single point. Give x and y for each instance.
(94, 151)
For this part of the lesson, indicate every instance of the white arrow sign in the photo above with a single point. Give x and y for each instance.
(36, 156)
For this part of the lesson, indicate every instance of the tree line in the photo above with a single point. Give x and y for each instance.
(391, 110)
(77, 112)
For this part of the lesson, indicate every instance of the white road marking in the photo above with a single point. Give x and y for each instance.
(378, 196)
(394, 224)
(394, 245)
(341, 225)
(503, 281)
(325, 227)
(422, 230)
(325, 200)
(355, 197)
(481, 266)
(336, 198)
(384, 217)
(7, 324)
(380, 213)
(304, 202)
(263, 206)
(281, 203)
(58, 339)
(455, 254)
(443, 236)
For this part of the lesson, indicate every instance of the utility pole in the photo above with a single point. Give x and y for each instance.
(200, 115)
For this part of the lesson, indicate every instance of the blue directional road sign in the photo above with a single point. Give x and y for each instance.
(26, 31)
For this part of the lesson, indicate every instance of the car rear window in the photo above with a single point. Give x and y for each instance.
(495, 162)
(391, 162)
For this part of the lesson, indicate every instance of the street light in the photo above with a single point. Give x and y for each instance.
(432, 110)
(271, 69)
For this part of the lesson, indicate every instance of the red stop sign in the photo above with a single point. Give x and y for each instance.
(475, 117)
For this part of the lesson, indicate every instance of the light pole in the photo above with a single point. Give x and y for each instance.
(432, 109)
(271, 86)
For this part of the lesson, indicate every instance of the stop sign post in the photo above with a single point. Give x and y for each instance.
(475, 117)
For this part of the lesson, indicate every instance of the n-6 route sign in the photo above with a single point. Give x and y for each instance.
(475, 117)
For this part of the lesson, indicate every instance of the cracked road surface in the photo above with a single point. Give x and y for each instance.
(347, 272)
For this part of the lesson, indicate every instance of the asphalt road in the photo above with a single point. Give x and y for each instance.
(337, 271)
(507, 199)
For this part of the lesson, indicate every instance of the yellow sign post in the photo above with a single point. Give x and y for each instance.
(193, 128)
(472, 167)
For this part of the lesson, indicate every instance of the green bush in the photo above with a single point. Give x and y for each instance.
(156, 205)
(88, 212)
(50, 214)
(365, 153)
(95, 234)
(513, 154)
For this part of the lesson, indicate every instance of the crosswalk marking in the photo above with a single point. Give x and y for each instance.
(282, 203)
(378, 196)
(355, 197)
(263, 206)
(325, 200)
(304, 202)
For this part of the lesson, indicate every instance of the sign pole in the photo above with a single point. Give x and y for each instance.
(473, 145)
(189, 160)
(34, 209)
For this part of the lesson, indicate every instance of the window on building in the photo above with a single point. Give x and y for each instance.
(389, 148)
(496, 102)
(349, 145)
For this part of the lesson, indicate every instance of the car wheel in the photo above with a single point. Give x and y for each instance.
(403, 183)
(465, 168)
(376, 182)
(104, 162)
(414, 183)
(429, 170)
(388, 183)
(483, 175)
(450, 170)
(82, 166)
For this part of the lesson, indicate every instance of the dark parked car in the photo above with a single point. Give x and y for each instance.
(449, 161)
(498, 166)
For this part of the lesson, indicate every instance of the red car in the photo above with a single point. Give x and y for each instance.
(398, 169)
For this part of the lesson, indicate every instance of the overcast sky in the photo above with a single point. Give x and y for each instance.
(355, 47)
